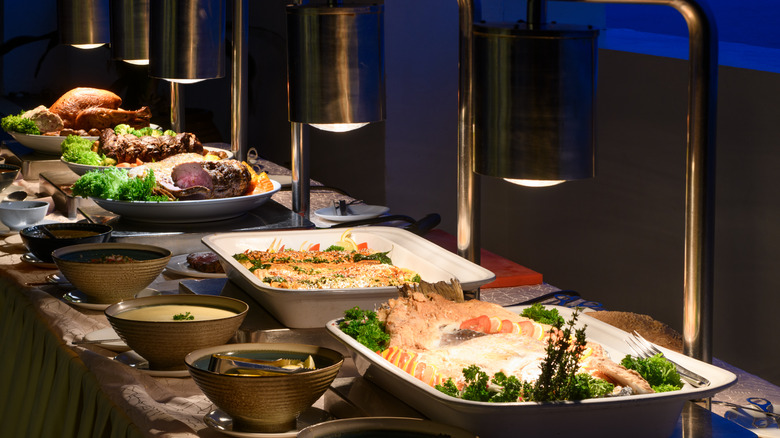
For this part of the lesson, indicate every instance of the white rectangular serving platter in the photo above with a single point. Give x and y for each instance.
(647, 415)
(314, 308)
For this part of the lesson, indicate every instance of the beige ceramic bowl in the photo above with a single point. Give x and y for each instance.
(265, 404)
(164, 343)
(110, 282)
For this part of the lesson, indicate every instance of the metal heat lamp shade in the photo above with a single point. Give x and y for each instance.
(336, 71)
(83, 23)
(187, 39)
(534, 94)
(130, 31)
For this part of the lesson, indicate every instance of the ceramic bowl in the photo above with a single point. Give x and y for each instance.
(104, 282)
(165, 341)
(20, 214)
(265, 404)
(8, 173)
(41, 245)
(383, 427)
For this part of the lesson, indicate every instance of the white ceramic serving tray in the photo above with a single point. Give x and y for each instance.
(314, 308)
(648, 415)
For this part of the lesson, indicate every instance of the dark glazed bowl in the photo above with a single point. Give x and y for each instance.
(41, 245)
(265, 404)
(8, 173)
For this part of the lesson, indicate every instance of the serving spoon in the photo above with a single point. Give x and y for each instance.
(47, 232)
(18, 195)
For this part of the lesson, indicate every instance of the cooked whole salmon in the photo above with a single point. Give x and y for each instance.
(423, 326)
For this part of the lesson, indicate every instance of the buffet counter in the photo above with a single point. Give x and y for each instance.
(54, 387)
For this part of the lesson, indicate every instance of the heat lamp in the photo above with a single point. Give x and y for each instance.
(528, 134)
(186, 45)
(84, 24)
(130, 31)
(336, 76)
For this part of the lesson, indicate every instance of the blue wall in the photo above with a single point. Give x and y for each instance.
(751, 22)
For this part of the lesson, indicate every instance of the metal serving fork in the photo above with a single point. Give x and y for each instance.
(645, 349)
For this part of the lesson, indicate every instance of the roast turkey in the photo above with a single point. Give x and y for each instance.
(87, 108)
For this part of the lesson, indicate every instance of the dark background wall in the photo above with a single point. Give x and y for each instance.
(617, 238)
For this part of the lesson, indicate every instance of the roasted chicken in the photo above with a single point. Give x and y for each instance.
(87, 108)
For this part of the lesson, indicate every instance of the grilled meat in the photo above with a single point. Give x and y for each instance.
(229, 177)
(205, 261)
(126, 148)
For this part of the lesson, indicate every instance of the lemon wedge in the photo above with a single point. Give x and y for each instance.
(346, 242)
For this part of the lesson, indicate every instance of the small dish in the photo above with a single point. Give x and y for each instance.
(178, 265)
(47, 144)
(104, 334)
(134, 360)
(35, 261)
(355, 212)
(79, 299)
(17, 215)
(220, 421)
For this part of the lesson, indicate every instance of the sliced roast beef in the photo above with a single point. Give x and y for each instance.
(229, 177)
(189, 176)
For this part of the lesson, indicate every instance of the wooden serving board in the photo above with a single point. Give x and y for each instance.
(508, 273)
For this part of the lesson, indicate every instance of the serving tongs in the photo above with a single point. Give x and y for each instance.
(244, 366)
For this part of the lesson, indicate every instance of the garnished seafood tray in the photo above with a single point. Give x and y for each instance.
(639, 415)
(313, 308)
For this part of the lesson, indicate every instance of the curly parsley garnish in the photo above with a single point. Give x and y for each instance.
(542, 315)
(657, 370)
(187, 316)
(365, 327)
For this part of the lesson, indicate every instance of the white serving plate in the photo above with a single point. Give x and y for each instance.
(47, 144)
(647, 415)
(178, 265)
(356, 212)
(314, 308)
(81, 169)
(204, 210)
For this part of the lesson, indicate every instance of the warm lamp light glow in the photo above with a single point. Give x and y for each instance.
(338, 127)
(87, 46)
(184, 81)
(137, 61)
(534, 182)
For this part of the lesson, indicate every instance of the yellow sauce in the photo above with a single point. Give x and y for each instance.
(72, 234)
(166, 312)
